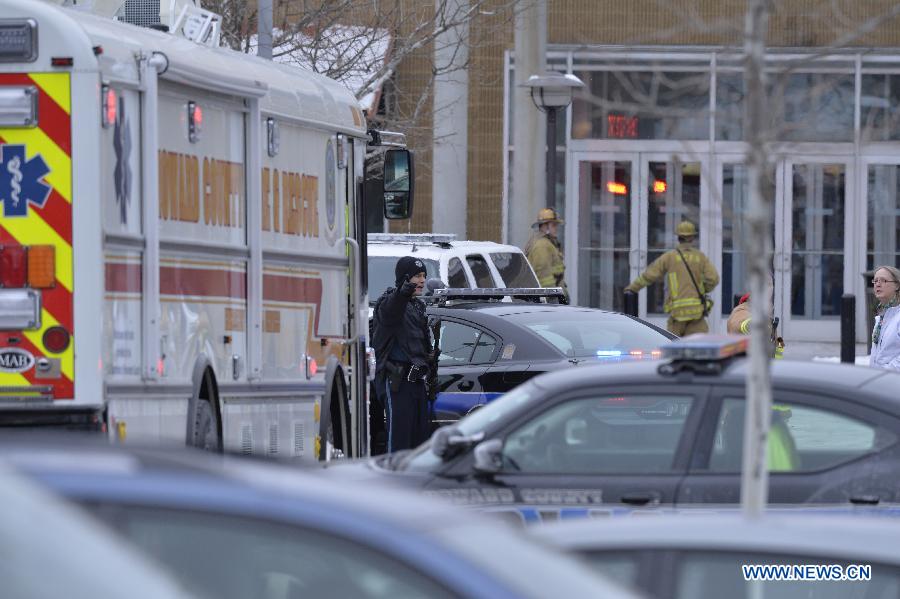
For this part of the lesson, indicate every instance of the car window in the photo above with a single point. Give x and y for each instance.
(456, 275)
(481, 271)
(457, 343)
(702, 575)
(592, 333)
(601, 435)
(514, 269)
(484, 349)
(381, 273)
(620, 566)
(801, 438)
(230, 557)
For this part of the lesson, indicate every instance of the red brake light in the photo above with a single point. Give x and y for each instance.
(56, 339)
(13, 269)
(110, 106)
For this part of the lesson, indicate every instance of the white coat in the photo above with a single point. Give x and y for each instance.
(886, 353)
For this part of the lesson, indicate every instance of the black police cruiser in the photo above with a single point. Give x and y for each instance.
(489, 346)
(647, 433)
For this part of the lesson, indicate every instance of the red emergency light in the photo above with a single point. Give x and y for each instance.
(31, 266)
(619, 189)
(110, 105)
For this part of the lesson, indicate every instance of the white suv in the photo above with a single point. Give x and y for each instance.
(463, 264)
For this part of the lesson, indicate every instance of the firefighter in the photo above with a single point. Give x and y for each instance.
(544, 251)
(403, 353)
(689, 277)
(739, 324)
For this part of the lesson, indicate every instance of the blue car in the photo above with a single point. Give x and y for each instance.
(234, 529)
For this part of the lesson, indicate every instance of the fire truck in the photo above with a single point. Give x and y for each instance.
(181, 237)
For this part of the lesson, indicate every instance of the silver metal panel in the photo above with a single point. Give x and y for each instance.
(280, 428)
(18, 105)
(20, 309)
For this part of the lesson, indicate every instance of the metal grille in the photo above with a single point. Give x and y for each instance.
(142, 13)
(299, 434)
(273, 439)
(246, 439)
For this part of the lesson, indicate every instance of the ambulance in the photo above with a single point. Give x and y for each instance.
(180, 238)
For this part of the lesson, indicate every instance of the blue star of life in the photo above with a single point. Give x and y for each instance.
(21, 180)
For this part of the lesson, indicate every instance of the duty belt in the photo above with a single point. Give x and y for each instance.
(408, 372)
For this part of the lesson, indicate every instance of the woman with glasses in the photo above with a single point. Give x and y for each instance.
(886, 334)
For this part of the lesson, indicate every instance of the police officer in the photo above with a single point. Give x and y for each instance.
(689, 276)
(403, 350)
(544, 251)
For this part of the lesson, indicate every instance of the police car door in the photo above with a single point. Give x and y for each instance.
(627, 448)
(821, 449)
(466, 353)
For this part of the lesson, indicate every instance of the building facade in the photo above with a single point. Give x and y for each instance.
(657, 136)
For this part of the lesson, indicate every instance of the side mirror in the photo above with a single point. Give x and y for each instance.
(488, 456)
(447, 442)
(398, 184)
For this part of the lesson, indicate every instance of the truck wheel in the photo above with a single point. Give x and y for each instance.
(206, 434)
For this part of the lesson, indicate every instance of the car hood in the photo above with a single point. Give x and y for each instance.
(373, 469)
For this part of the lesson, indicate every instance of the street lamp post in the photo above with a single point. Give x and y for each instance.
(550, 93)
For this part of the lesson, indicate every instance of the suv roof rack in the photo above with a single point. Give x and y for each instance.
(702, 353)
(545, 294)
(443, 239)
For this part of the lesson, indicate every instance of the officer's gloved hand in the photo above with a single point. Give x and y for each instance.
(408, 288)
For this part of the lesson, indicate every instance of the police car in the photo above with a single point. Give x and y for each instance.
(459, 264)
(666, 433)
(492, 340)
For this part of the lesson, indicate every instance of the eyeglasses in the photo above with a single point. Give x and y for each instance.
(883, 281)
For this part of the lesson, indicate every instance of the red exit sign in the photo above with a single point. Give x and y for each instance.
(622, 127)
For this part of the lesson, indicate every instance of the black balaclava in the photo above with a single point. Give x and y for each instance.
(407, 265)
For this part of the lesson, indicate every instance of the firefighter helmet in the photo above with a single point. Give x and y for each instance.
(686, 229)
(548, 215)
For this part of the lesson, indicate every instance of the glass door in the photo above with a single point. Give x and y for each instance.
(607, 238)
(671, 190)
(811, 245)
(625, 214)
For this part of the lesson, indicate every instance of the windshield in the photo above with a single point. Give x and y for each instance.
(381, 273)
(422, 459)
(514, 269)
(590, 333)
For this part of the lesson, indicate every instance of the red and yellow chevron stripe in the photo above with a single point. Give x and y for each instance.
(48, 225)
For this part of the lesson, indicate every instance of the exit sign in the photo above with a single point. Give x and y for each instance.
(622, 127)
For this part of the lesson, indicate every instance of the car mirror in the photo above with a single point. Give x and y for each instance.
(398, 184)
(447, 442)
(488, 456)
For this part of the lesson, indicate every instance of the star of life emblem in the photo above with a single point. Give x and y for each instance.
(21, 181)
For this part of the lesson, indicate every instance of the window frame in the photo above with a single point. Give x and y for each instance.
(684, 449)
(481, 331)
(465, 273)
(812, 398)
(487, 265)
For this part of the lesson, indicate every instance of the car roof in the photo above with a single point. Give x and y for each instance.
(411, 525)
(785, 373)
(434, 251)
(871, 538)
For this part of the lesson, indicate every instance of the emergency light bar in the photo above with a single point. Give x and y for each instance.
(498, 293)
(415, 238)
(703, 347)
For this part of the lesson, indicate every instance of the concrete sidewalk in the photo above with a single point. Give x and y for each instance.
(807, 350)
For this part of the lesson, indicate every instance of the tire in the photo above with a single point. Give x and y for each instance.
(205, 427)
(206, 435)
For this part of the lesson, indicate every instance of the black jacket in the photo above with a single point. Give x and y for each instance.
(401, 320)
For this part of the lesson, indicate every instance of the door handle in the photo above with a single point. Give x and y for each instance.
(639, 498)
(465, 385)
(865, 499)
